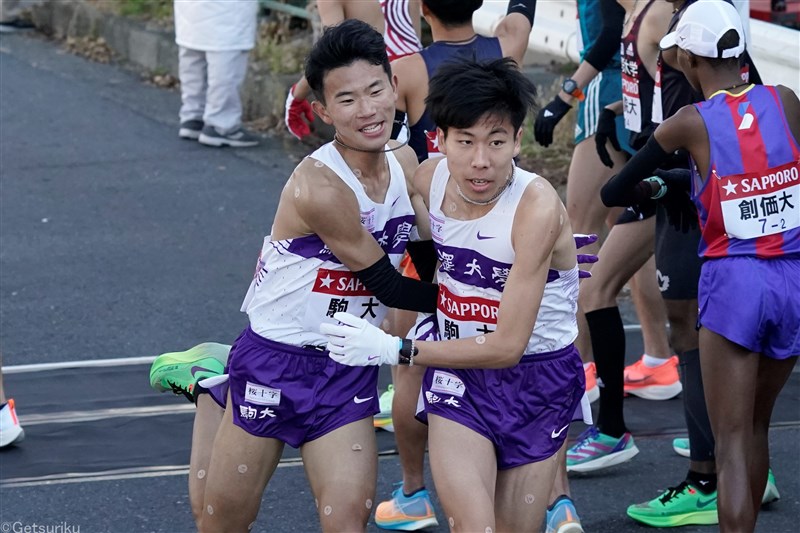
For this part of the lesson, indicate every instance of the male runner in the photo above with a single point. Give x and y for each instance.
(340, 229)
(508, 286)
(744, 182)
(410, 507)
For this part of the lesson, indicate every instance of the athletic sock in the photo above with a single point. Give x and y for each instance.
(413, 493)
(701, 439)
(653, 362)
(608, 345)
(705, 483)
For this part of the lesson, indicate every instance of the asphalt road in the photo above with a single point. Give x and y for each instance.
(119, 241)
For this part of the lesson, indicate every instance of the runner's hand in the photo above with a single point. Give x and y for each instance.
(356, 342)
(546, 120)
(582, 240)
(606, 131)
(681, 211)
(299, 116)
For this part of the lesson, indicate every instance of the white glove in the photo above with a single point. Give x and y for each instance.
(356, 342)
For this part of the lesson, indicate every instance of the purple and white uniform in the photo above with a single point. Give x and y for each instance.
(280, 385)
(524, 410)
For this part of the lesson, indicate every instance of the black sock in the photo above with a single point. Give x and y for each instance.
(413, 493)
(701, 440)
(608, 345)
(705, 483)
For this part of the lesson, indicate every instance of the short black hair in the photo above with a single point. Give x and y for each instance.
(341, 45)
(463, 91)
(730, 39)
(453, 12)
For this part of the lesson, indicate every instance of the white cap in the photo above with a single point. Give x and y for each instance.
(702, 25)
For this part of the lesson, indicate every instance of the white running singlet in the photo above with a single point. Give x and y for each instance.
(299, 283)
(475, 259)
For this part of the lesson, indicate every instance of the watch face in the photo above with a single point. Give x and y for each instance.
(569, 86)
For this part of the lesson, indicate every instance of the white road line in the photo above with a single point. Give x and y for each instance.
(113, 475)
(124, 361)
(69, 417)
(40, 367)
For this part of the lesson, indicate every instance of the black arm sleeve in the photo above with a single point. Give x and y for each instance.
(423, 255)
(624, 189)
(607, 42)
(524, 7)
(395, 290)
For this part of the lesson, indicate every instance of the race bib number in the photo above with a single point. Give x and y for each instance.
(465, 316)
(631, 102)
(341, 290)
(756, 205)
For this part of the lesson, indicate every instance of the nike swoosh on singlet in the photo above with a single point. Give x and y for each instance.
(554, 434)
(356, 399)
(483, 237)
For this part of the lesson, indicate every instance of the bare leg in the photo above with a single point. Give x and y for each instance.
(650, 310)
(410, 434)
(740, 388)
(207, 419)
(586, 212)
(522, 492)
(560, 483)
(342, 468)
(241, 465)
(464, 470)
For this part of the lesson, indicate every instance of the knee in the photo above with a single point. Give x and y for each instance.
(345, 517)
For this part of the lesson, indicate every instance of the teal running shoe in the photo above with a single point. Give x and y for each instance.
(681, 446)
(562, 517)
(771, 493)
(179, 372)
(383, 420)
(677, 506)
(406, 513)
(595, 451)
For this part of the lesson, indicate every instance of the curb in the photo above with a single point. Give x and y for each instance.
(153, 48)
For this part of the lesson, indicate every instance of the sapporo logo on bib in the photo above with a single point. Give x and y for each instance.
(755, 204)
(465, 316)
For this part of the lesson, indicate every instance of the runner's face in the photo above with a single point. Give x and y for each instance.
(359, 103)
(480, 157)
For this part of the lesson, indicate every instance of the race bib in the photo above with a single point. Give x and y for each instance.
(465, 316)
(340, 290)
(754, 205)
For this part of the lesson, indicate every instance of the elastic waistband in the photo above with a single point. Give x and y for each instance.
(548, 356)
(307, 351)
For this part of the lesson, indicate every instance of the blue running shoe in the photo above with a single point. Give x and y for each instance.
(562, 517)
(406, 513)
(595, 451)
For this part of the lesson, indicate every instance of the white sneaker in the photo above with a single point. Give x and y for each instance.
(10, 430)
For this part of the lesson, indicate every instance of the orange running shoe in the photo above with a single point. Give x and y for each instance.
(592, 391)
(659, 383)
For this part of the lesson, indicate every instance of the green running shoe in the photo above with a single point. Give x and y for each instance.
(771, 493)
(681, 446)
(678, 506)
(179, 372)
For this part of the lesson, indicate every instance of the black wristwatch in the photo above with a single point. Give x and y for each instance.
(570, 87)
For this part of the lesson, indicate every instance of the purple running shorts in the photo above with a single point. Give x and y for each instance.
(525, 410)
(753, 302)
(291, 393)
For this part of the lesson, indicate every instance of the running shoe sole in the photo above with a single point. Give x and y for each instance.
(700, 518)
(605, 461)
(223, 141)
(407, 525)
(656, 392)
(678, 448)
